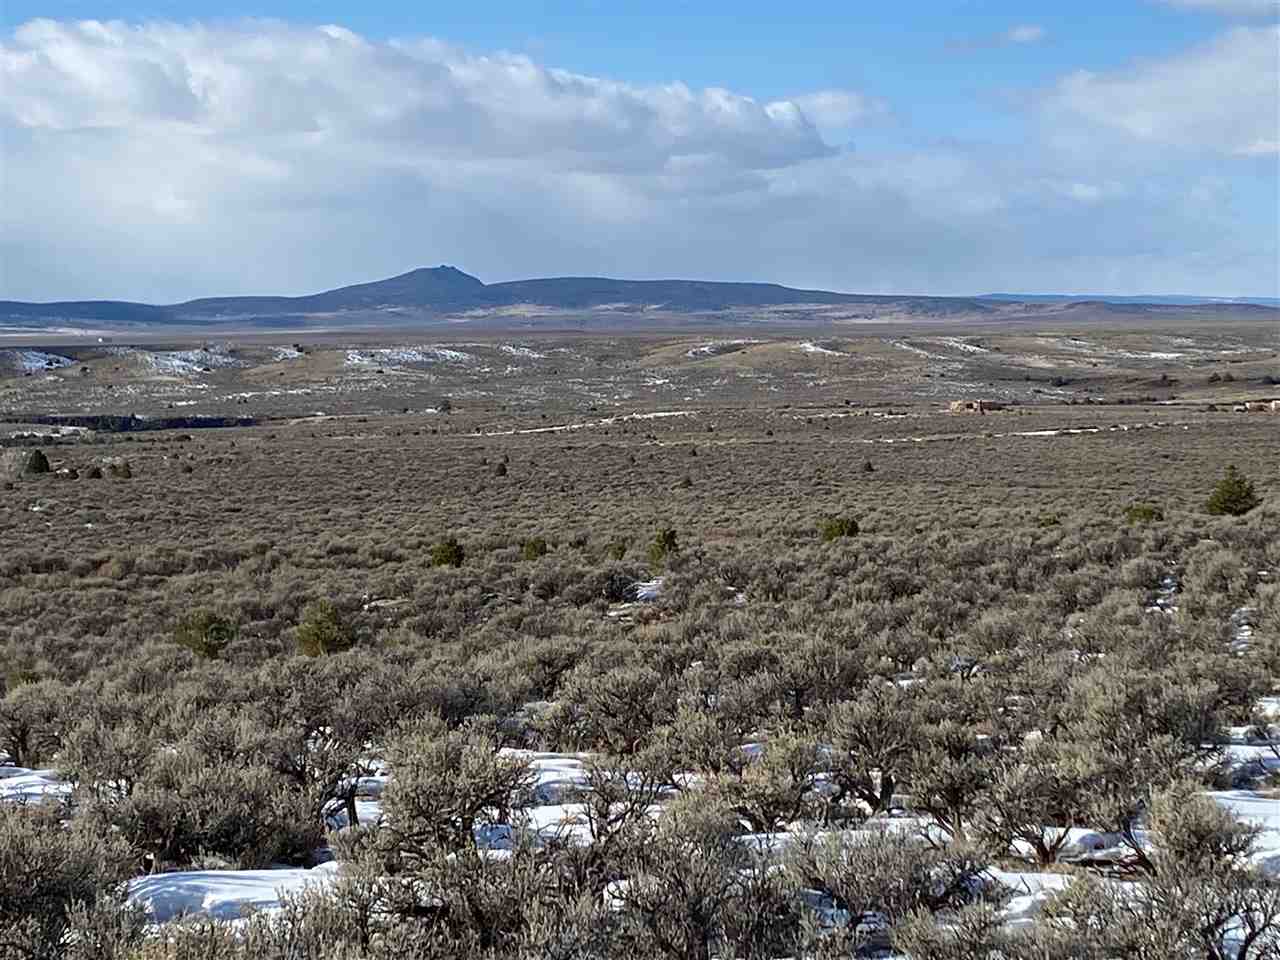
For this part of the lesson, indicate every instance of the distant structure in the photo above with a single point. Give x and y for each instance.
(975, 406)
(1257, 406)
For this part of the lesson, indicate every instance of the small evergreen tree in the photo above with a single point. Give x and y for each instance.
(37, 462)
(664, 546)
(323, 630)
(1233, 496)
(533, 549)
(1143, 513)
(204, 633)
(833, 528)
(448, 553)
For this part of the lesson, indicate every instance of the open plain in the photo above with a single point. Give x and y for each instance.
(505, 598)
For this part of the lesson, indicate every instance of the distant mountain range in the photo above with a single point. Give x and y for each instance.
(446, 294)
(1170, 299)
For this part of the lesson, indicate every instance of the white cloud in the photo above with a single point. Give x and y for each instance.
(165, 161)
(1018, 35)
(1025, 33)
(836, 112)
(272, 80)
(1221, 97)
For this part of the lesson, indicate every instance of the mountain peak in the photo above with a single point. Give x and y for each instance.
(446, 273)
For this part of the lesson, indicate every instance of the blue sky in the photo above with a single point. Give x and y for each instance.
(190, 148)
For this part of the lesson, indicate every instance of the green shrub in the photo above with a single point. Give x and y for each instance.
(1233, 496)
(617, 549)
(204, 633)
(1143, 513)
(664, 546)
(533, 549)
(448, 553)
(324, 630)
(833, 528)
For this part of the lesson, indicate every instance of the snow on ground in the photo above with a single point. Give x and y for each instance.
(558, 782)
(185, 362)
(286, 353)
(1030, 892)
(33, 361)
(717, 347)
(1243, 620)
(605, 422)
(955, 343)
(391, 356)
(221, 894)
(516, 350)
(810, 347)
(903, 345)
(179, 363)
(638, 595)
(1082, 843)
(1165, 600)
(20, 785)
(1262, 810)
(1254, 759)
(1188, 348)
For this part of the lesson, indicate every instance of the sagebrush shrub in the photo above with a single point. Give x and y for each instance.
(48, 869)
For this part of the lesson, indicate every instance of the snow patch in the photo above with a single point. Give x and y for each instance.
(516, 350)
(392, 356)
(220, 894)
(810, 347)
(607, 421)
(20, 785)
(34, 361)
(717, 347)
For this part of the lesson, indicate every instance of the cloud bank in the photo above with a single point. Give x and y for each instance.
(1222, 97)
(162, 161)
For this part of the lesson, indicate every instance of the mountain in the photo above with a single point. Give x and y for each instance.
(435, 287)
(1159, 299)
(446, 294)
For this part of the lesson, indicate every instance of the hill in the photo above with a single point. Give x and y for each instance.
(447, 294)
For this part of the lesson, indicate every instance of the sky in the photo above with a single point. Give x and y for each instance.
(158, 151)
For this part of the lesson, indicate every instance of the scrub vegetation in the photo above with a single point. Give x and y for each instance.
(901, 683)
